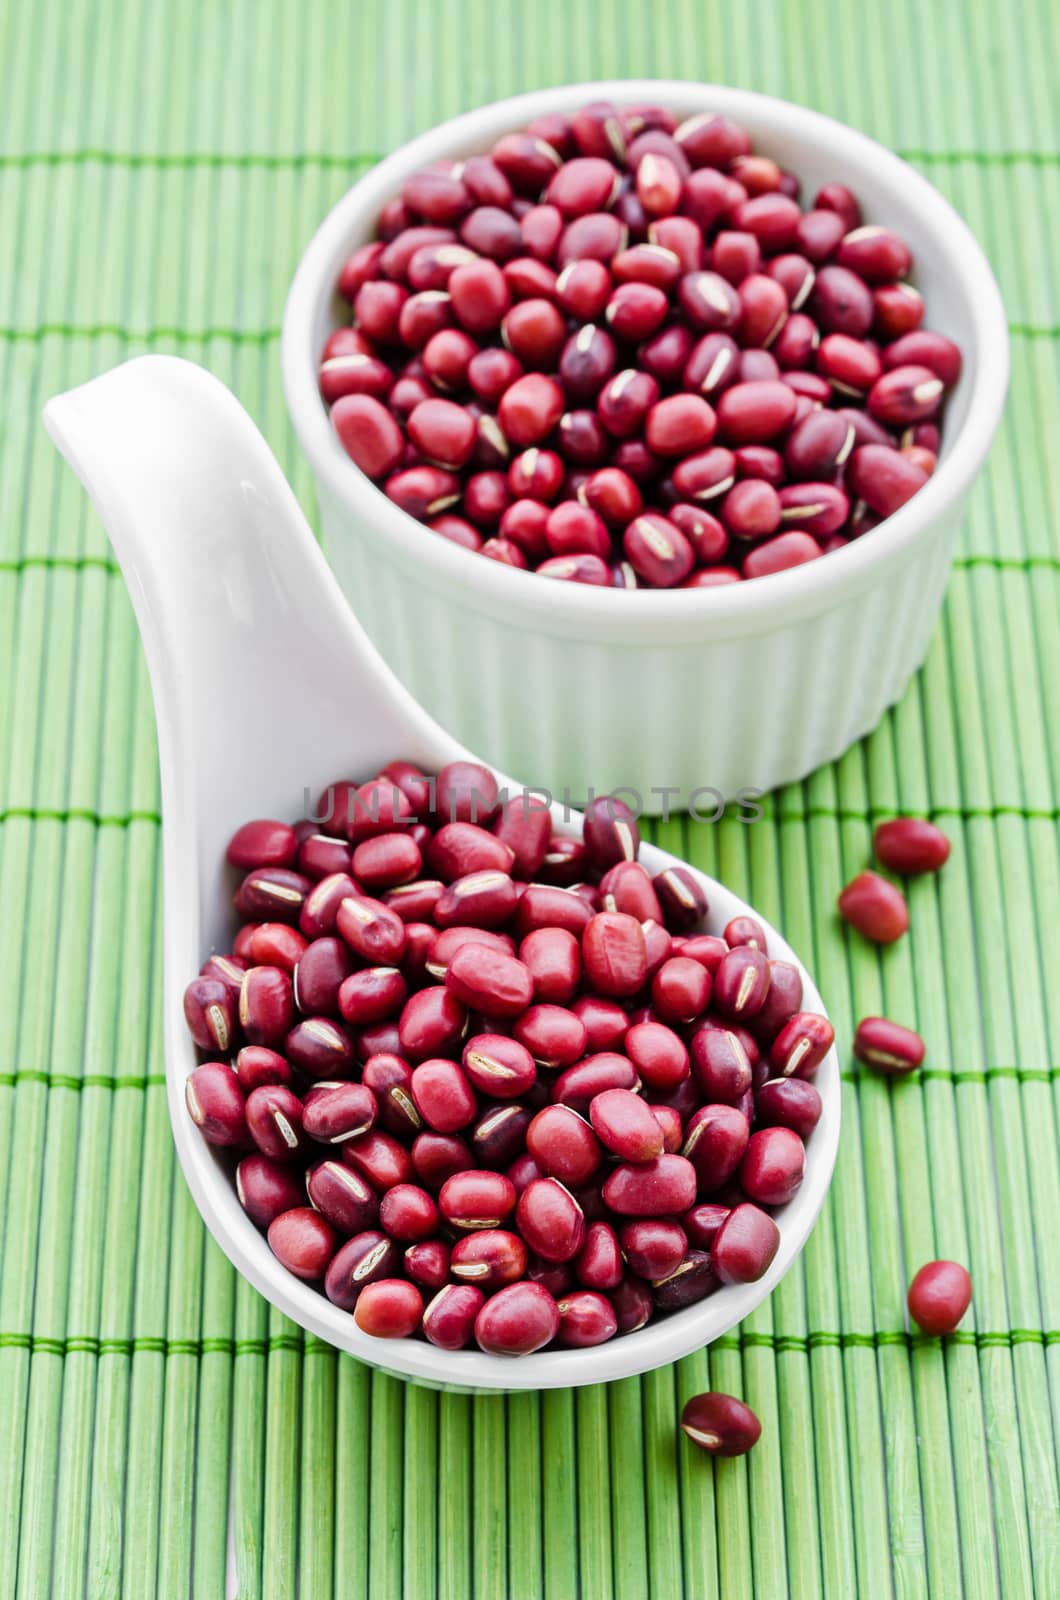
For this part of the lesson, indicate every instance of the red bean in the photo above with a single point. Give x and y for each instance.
(614, 954)
(773, 1166)
(745, 1245)
(657, 550)
(715, 1141)
(499, 1066)
(709, 302)
(884, 478)
(449, 1320)
(887, 1046)
(550, 1220)
(875, 908)
(389, 1309)
(754, 413)
(303, 1241)
(625, 1125)
(653, 1247)
(610, 832)
(343, 1197)
(379, 1158)
(920, 348)
(679, 425)
(939, 1296)
(517, 1321)
(788, 1103)
(909, 845)
(661, 1187)
(598, 1264)
(256, 1066)
(262, 844)
(905, 395)
(490, 982)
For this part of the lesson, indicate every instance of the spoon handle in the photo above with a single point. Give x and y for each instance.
(249, 640)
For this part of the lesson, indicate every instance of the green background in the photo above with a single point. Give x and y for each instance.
(160, 169)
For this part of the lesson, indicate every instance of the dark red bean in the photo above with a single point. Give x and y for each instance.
(335, 1112)
(266, 1189)
(390, 1080)
(274, 1121)
(702, 1222)
(625, 401)
(721, 1062)
(343, 1197)
(884, 478)
(215, 1104)
(720, 1424)
(689, 1283)
(782, 1001)
(842, 302)
(367, 1258)
(657, 550)
(801, 1045)
(819, 446)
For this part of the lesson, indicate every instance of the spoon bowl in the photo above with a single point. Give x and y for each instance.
(267, 689)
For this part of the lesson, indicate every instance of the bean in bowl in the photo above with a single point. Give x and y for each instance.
(616, 350)
(480, 1083)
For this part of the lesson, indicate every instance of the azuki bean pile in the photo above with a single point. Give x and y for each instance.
(616, 351)
(489, 1083)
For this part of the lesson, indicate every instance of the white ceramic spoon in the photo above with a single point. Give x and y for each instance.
(266, 687)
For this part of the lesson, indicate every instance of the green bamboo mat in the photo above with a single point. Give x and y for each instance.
(162, 1431)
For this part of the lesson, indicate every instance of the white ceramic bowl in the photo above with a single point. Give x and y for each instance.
(265, 686)
(571, 686)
